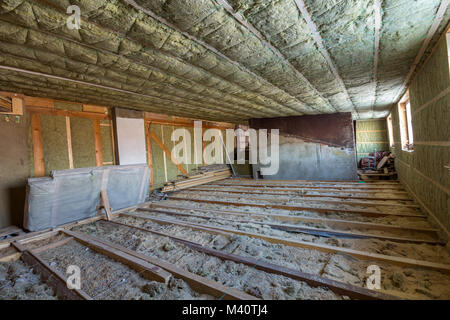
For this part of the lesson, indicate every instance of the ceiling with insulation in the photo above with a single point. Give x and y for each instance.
(221, 60)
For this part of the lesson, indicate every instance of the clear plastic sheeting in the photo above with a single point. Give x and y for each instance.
(72, 195)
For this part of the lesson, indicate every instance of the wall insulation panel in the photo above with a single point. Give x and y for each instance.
(82, 142)
(54, 138)
(371, 135)
(423, 171)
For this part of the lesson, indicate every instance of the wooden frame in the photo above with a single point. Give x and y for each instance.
(38, 148)
(406, 262)
(311, 279)
(166, 151)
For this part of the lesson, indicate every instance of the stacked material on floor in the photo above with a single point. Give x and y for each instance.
(199, 176)
(382, 168)
(72, 195)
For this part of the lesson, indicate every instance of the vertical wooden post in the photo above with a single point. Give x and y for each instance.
(113, 142)
(203, 143)
(105, 204)
(149, 153)
(69, 142)
(98, 144)
(38, 150)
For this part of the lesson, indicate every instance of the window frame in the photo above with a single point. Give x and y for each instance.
(390, 128)
(405, 123)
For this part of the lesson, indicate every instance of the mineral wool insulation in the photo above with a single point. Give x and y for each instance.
(125, 48)
(53, 21)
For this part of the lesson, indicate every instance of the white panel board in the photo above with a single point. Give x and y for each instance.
(131, 141)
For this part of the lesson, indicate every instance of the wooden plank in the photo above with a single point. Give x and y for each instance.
(340, 182)
(382, 162)
(50, 276)
(312, 279)
(148, 270)
(197, 283)
(295, 219)
(313, 189)
(5, 104)
(113, 142)
(302, 229)
(149, 155)
(407, 262)
(187, 183)
(38, 149)
(17, 106)
(53, 245)
(106, 206)
(69, 143)
(43, 234)
(321, 186)
(95, 109)
(11, 257)
(293, 196)
(280, 192)
(298, 208)
(68, 113)
(38, 102)
(395, 190)
(98, 143)
(166, 151)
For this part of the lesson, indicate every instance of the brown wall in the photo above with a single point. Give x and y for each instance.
(14, 168)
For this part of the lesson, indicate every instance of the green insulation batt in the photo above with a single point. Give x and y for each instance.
(68, 106)
(181, 77)
(170, 170)
(159, 177)
(54, 139)
(371, 135)
(423, 170)
(83, 146)
(107, 147)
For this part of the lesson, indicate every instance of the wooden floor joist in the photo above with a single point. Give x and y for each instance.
(50, 276)
(312, 279)
(299, 208)
(401, 261)
(148, 270)
(287, 184)
(302, 229)
(197, 283)
(302, 198)
(295, 219)
(325, 187)
(344, 182)
(281, 192)
(53, 245)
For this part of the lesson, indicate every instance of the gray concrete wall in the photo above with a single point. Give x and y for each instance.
(314, 147)
(300, 159)
(14, 169)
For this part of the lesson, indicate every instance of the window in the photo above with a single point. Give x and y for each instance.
(390, 131)
(406, 130)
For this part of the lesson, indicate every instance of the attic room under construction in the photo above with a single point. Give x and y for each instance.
(224, 150)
